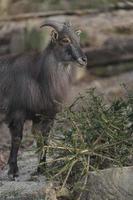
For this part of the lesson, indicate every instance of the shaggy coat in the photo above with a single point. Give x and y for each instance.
(37, 83)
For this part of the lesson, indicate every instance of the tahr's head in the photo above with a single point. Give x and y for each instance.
(68, 41)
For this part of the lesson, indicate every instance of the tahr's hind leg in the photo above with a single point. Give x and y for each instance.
(42, 128)
(16, 130)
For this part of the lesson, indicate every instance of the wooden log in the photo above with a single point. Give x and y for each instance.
(110, 8)
(114, 52)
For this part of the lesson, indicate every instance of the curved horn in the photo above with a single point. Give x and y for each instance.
(56, 25)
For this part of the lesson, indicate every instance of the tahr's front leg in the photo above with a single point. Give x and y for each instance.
(16, 130)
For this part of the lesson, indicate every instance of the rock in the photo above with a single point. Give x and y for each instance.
(110, 184)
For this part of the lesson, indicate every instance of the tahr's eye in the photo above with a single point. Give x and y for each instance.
(66, 40)
(78, 32)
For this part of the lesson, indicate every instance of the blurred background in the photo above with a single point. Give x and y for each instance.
(106, 38)
(107, 30)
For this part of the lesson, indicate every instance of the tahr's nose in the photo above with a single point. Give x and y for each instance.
(84, 60)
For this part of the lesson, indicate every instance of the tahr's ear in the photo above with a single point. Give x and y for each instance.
(54, 35)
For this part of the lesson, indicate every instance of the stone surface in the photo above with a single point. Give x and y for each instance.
(110, 184)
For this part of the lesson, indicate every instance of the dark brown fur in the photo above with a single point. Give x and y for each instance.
(33, 84)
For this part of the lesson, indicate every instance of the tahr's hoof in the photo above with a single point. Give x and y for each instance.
(12, 177)
(13, 174)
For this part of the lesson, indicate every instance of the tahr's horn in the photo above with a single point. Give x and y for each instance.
(56, 25)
